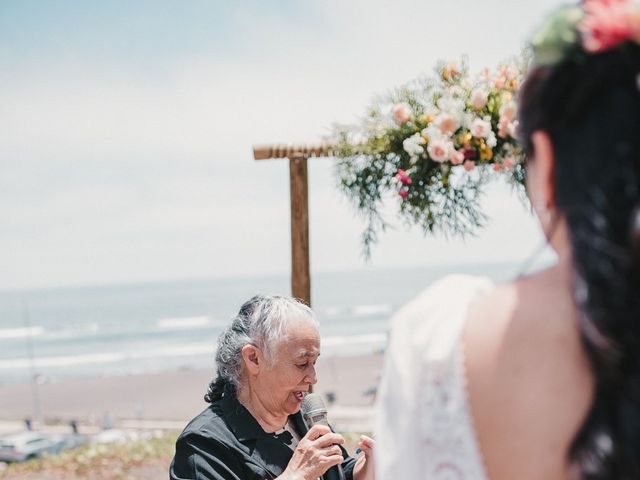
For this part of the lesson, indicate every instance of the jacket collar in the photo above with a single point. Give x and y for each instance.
(264, 448)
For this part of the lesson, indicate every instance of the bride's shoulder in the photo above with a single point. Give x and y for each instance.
(447, 293)
(436, 315)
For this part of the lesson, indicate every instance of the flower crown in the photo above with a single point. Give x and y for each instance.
(593, 27)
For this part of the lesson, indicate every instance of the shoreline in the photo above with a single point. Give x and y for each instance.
(175, 395)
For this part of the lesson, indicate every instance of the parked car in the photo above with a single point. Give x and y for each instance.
(26, 445)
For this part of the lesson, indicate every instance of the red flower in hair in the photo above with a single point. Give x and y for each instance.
(607, 23)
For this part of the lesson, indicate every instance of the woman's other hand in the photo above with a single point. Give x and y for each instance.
(365, 465)
(316, 452)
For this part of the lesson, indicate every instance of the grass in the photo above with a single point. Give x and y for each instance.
(143, 459)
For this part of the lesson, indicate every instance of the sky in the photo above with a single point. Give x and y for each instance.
(126, 132)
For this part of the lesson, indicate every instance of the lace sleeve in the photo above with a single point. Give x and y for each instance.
(423, 427)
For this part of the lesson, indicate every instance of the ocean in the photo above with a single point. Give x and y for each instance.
(142, 328)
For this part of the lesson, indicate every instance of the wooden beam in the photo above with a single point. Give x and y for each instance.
(284, 150)
(299, 195)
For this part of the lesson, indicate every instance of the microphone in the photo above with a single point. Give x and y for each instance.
(314, 412)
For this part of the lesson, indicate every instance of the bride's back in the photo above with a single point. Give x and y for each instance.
(551, 362)
(529, 382)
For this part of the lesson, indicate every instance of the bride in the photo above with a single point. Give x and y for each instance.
(540, 378)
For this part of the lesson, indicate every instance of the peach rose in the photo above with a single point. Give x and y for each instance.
(439, 150)
(508, 110)
(447, 123)
(456, 156)
(509, 162)
(479, 99)
(401, 113)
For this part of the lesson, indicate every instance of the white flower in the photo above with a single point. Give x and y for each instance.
(456, 91)
(479, 98)
(439, 150)
(454, 106)
(431, 111)
(413, 144)
(432, 132)
(480, 128)
(492, 141)
(511, 72)
(467, 120)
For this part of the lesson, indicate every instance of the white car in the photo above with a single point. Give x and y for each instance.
(25, 446)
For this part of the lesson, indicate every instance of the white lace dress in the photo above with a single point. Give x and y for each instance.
(424, 429)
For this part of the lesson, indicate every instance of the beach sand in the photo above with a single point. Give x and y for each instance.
(175, 395)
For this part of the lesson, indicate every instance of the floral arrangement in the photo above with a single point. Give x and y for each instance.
(433, 144)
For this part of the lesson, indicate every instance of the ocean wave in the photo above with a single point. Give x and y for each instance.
(356, 311)
(331, 344)
(12, 333)
(331, 311)
(183, 350)
(183, 323)
(374, 339)
(379, 309)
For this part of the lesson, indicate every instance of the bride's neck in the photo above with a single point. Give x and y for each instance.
(269, 420)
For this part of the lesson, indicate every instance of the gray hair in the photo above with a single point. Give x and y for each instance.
(262, 321)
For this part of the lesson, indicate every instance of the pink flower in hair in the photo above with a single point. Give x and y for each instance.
(608, 23)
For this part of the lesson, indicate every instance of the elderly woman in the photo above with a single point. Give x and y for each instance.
(253, 429)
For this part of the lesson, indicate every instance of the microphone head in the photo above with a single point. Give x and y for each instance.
(313, 409)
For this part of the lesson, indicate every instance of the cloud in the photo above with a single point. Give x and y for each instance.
(114, 171)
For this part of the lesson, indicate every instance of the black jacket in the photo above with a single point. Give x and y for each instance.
(225, 442)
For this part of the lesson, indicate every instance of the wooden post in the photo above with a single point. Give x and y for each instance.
(299, 195)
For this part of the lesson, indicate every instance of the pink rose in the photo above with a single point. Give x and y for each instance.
(479, 99)
(401, 113)
(404, 193)
(439, 150)
(469, 165)
(403, 177)
(508, 162)
(508, 111)
(497, 167)
(447, 123)
(499, 82)
(456, 156)
(503, 127)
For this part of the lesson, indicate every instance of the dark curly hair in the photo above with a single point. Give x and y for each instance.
(590, 108)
